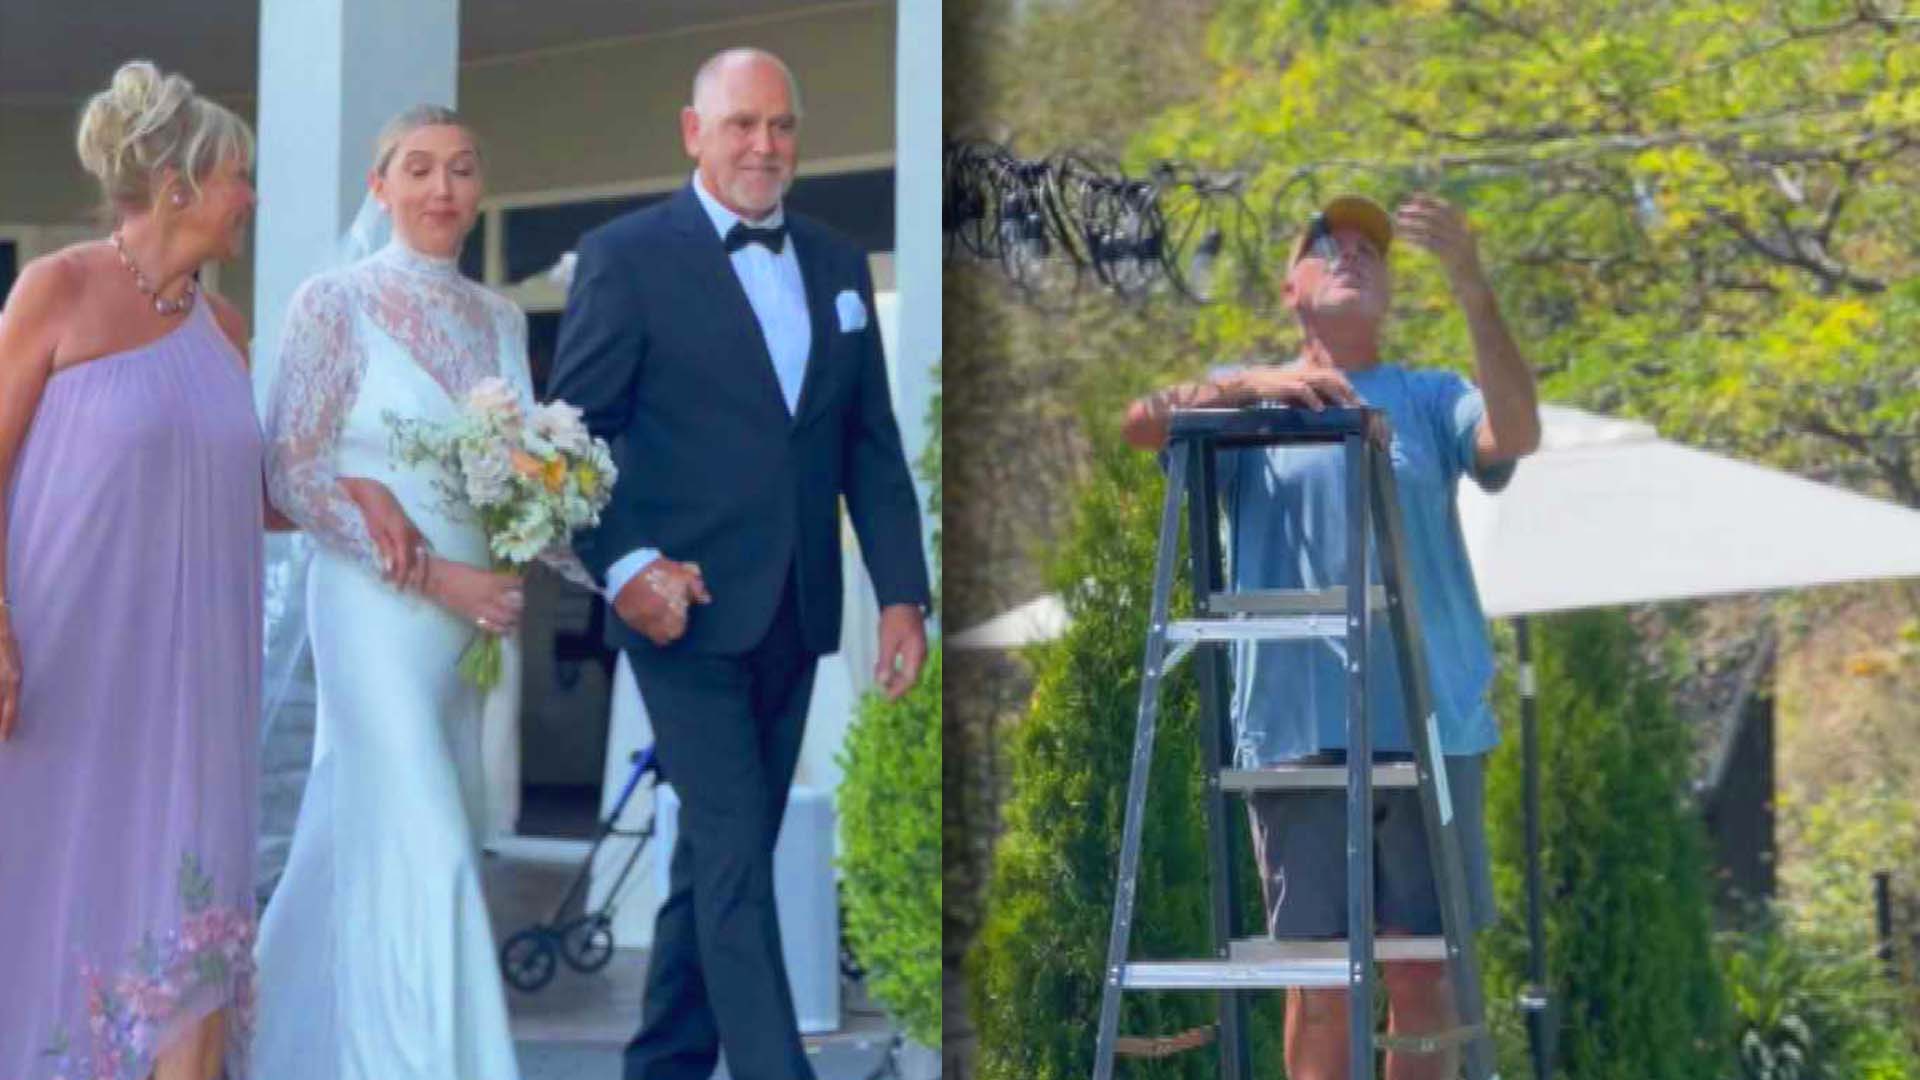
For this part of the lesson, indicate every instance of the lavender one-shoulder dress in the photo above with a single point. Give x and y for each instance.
(127, 793)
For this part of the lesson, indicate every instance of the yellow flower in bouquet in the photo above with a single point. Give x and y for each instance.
(588, 479)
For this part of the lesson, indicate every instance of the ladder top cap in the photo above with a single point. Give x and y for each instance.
(1265, 425)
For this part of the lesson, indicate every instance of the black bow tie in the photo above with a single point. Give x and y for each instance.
(773, 239)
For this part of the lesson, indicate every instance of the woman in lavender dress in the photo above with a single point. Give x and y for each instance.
(131, 460)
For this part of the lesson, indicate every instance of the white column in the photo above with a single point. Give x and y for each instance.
(917, 249)
(332, 72)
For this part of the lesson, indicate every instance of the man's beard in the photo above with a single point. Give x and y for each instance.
(744, 189)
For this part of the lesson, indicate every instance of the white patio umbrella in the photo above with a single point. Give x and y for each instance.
(1608, 513)
(1042, 618)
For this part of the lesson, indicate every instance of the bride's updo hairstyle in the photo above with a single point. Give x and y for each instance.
(410, 121)
(147, 122)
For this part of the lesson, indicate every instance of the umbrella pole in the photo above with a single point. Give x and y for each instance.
(1534, 999)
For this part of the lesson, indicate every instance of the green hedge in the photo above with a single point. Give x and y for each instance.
(1035, 974)
(1629, 925)
(889, 802)
(890, 824)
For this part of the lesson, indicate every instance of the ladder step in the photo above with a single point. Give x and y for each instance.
(1258, 628)
(1399, 774)
(1387, 949)
(1233, 975)
(1331, 601)
(1265, 964)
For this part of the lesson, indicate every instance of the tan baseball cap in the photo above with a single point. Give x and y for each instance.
(1352, 212)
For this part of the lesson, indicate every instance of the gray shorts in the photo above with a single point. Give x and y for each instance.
(1300, 846)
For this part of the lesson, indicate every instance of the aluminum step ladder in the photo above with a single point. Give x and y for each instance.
(1241, 964)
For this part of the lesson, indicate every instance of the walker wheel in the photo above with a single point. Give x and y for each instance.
(528, 960)
(587, 943)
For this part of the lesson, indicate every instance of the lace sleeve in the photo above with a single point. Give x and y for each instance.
(559, 558)
(321, 362)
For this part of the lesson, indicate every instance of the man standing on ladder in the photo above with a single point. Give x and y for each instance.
(1286, 516)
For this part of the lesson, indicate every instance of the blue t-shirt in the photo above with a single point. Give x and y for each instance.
(1287, 529)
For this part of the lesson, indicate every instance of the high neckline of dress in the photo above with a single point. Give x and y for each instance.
(399, 254)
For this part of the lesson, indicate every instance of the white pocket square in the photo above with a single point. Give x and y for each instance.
(853, 313)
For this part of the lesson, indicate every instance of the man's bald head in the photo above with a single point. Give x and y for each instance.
(708, 80)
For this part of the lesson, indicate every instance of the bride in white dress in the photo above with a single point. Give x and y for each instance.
(376, 958)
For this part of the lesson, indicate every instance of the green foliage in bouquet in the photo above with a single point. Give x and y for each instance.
(890, 823)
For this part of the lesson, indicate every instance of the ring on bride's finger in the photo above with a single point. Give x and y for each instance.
(482, 623)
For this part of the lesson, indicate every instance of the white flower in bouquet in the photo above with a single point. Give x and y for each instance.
(530, 531)
(577, 512)
(488, 470)
(493, 400)
(561, 426)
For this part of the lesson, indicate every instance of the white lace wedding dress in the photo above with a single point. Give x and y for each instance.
(376, 958)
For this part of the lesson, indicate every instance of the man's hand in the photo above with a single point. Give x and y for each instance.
(903, 648)
(1511, 428)
(656, 600)
(1303, 387)
(1315, 388)
(1433, 225)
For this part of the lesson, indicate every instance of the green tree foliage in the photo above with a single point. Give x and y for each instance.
(1699, 211)
(1036, 971)
(1629, 936)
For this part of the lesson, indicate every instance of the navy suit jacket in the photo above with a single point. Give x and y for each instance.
(662, 351)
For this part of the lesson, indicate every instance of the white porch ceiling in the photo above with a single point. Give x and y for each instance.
(60, 50)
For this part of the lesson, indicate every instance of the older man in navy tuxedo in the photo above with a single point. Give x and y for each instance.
(728, 351)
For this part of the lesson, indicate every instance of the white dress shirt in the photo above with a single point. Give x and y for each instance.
(778, 296)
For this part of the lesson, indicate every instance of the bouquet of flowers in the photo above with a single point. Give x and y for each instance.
(530, 477)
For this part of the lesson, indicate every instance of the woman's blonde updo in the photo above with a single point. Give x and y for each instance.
(410, 121)
(147, 122)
